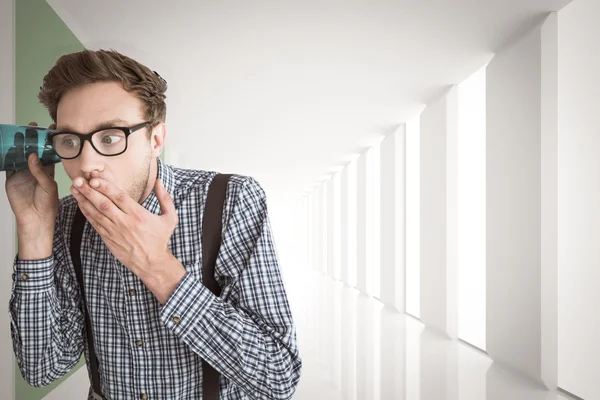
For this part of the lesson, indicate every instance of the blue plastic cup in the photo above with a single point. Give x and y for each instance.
(17, 142)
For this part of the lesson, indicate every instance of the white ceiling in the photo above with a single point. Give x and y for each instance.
(290, 91)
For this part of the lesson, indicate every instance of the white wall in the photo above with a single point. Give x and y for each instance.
(513, 206)
(7, 242)
(579, 198)
(438, 264)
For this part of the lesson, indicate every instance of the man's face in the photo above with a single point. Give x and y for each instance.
(84, 109)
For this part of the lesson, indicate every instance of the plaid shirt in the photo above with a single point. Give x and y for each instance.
(154, 351)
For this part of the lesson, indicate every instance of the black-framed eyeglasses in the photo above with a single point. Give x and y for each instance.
(106, 141)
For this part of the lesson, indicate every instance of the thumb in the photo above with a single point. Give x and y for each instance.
(167, 207)
(44, 179)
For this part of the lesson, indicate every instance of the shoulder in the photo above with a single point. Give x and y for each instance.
(191, 182)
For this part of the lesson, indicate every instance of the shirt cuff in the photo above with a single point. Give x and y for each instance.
(33, 275)
(187, 306)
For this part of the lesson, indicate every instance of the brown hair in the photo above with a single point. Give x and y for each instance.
(90, 66)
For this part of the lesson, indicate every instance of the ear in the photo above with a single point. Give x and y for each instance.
(157, 140)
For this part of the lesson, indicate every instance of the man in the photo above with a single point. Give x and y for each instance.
(153, 321)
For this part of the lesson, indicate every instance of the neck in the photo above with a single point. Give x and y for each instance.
(152, 177)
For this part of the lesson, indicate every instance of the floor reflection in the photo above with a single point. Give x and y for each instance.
(354, 348)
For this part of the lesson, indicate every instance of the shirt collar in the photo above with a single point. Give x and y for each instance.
(166, 175)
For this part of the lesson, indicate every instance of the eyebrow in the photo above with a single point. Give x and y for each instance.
(117, 122)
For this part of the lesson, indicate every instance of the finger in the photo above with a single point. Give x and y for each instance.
(45, 180)
(103, 204)
(95, 224)
(49, 169)
(52, 127)
(167, 207)
(118, 197)
(33, 123)
(92, 214)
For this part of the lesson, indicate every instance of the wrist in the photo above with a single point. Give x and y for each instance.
(163, 275)
(35, 245)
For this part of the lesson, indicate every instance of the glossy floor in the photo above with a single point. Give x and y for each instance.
(355, 349)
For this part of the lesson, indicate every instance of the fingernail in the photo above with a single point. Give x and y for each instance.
(95, 183)
(78, 182)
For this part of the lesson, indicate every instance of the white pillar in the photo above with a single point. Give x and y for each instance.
(362, 235)
(308, 223)
(392, 219)
(352, 220)
(579, 197)
(400, 264)
(413, 217)
(316, 229)
(344, 259)
(514, 206)
(438, 214)
(330, 230)
(451, 306)
(323, 242)
(7, 244)
(549, 202)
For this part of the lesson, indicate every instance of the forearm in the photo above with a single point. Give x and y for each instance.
(46, 336)
(260, 359)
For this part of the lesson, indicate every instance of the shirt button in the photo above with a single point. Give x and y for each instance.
(132, 292)
(176, 319)
(24, 277)
(139, 342)
(143, 396)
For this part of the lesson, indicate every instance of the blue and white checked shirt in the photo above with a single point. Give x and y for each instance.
(153, 351)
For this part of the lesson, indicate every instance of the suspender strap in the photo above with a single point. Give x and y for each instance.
(76, 235)
(211, 241)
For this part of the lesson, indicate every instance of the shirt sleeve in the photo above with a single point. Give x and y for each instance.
(247, 334)
(45, 318)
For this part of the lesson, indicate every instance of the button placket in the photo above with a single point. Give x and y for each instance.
(135, 327)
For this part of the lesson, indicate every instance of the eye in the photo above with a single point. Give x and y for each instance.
(69, 142)
(111, 139)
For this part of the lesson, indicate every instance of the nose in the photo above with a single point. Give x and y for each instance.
(90, 160)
